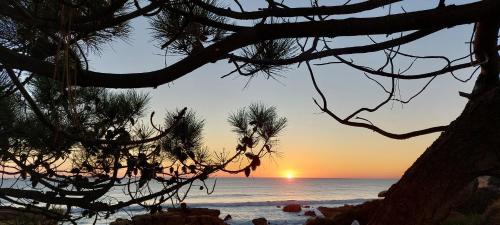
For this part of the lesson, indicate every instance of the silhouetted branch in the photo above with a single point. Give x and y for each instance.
(369, 126)
(425, 20)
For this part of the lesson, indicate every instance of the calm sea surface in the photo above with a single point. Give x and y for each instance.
(249, 198)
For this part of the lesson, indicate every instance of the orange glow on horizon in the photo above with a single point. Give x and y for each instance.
(365, 159)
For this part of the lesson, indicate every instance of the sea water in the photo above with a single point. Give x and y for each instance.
(249, 198)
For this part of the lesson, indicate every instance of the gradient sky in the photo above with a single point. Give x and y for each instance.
(313, 145)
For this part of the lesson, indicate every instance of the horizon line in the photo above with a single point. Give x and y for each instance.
(346, 178)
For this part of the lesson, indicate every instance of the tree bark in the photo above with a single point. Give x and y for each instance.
(469, 148)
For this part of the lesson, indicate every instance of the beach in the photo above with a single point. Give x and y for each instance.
(249, 198)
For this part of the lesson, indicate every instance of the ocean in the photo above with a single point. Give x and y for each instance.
(249, 198)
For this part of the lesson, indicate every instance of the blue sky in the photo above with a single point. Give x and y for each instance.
(332, 149)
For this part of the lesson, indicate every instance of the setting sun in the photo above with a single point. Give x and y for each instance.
(289, 174)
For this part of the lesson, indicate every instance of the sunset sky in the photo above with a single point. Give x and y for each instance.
(313, 145)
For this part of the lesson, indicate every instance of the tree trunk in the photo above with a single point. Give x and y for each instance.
(469, 148)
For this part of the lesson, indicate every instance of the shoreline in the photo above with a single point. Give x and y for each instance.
(213, 216)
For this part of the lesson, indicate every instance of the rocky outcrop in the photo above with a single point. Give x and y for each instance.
(292, 208)
(228, 217)
(188, 216)
(345, 215)
(492, 214)
(478, 201)
(483, 182)
(319, 221)
(333, 212)
(25, 217)
(195, 211)
(382, 194)
(260, 221)
(310, 213)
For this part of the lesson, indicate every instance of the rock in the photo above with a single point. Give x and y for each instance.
(186, 216)
(260, 221)
(382, 194)
(492, 214)
(203, 220)
(483, 182)
(292, 208)
(454, 215)
(345, 215)
(25, 217)
(319, 221)
(333, 212)
(227, 217)
(310, 213)
(478, 201)
(307, 206)
(494, 182)
(120, 221)
(278, 206)
(196, 211)
(8, 214)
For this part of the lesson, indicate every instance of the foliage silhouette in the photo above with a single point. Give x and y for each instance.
(98, 141)
(52, 39)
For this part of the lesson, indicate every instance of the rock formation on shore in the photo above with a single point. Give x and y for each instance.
(24, 217)
(479, 204)
(191, 216)
(260, 221)
(292, 208)
(310, 213)
(228, 217)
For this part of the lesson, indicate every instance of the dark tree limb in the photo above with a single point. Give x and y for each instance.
(324, 107)
(433, 19)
